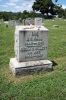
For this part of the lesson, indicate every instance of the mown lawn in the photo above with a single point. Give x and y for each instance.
(42, 86)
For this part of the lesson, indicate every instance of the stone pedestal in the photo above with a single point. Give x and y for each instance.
(30, 67)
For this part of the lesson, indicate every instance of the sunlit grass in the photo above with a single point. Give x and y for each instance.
(42, 86)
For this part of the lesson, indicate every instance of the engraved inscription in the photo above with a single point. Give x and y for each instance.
(33, 46)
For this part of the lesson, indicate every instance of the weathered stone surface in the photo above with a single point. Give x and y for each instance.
(29, 21)
(6, 23)
(38, 22)
(18, 22)
(31, 48)
(31, 43)
(12, 23)
(30, 67)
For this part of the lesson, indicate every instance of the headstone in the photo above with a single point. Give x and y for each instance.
(31, 47)
(23, 22)
(6, 23)
(2, 20)
(38, 22)
(18, 22)
(31, 43)
(29, 21)
(12, 23)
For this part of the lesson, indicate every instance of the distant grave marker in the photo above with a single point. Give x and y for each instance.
(6, 23)
(29, 21)
(38, 22)
(12, 23)
(18, 22)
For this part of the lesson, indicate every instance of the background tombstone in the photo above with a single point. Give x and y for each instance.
(29, 21)
(6, 23)
(1, 21)
(12, 23)
(18, 22)
(23, 22)
(38, 22)
(31, 48)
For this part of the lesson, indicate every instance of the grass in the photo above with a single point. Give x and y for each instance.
(42, 86)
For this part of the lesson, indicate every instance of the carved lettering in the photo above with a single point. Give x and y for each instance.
(34, 46)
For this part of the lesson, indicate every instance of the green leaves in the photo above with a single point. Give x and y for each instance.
(43, 6)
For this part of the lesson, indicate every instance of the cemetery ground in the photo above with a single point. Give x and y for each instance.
(41, 86)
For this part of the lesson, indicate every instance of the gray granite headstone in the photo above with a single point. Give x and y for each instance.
(18, 22)
(31, 43)
(31, 49)
(6, 23)
(29, 21)
(12, 23)
(38, 22)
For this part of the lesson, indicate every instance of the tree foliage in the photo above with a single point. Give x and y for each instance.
(59, 11)
(44, 6)
(15, 16)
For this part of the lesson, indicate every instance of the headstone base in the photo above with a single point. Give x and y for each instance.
(29, 67)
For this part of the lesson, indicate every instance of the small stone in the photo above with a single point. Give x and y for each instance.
(56, 26)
